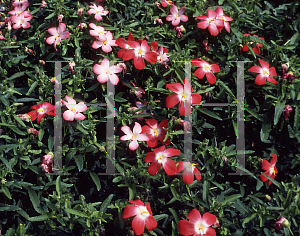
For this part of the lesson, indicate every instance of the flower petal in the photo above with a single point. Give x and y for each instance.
(194, 216)
(138, 225)
(172, 100)
(154, 168)
(186, 227)
(209, 218)
(170, 166)
(133, 145)
(150, 157)
(151, 223)
(130, 210)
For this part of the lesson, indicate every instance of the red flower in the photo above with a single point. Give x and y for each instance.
(40, 111)
(122, 43)
(160, 157)
(214, 25)
(155, 131)
(286, 111)
(165, 3)
(206, 69)
(225, 19)
(264, 73)
(139, 52)
(257, 47)
(142, 213)
(197, 225)
(270, 169)
(281, 222)
(189, 170)
(47, 163)
(183, 95)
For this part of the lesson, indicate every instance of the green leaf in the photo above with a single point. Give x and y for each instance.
(248, 219)
(34, 199)
(279, 107)
(4, 101)
(75, 212)
(265, 131)
(296, 118)
(80, 128)
(6, 191)
(205, 190)
(288, 199)
(58, 186)
(253, 113)
(79, 161)
(50, 143)
(161, 216)
(50, 16)
(174, 215)
(131, 193)
(219, 82)
(209, 113)
(13, 128)
(105, 204)
(40, 218)
(16, 75)
(19, 121)
(273, 181)
(259, 184)
(231, 198)
(32, 87)
(96, 180)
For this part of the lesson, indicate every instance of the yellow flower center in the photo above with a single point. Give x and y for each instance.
(100, 32)
(201, 228)
(177, 16)
(169, 1)
(160, 157)
(19, 13)
(99, 11)
(41, 110)
(132, 137)
(210, 20)
(207, 68)
(140, 52)
(272, 170)
(160, 58)
(74, 110)
(104, 42)
(265, 72)
(21, 22)
(128, 47)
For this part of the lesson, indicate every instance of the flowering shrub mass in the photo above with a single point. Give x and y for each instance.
(109, 106)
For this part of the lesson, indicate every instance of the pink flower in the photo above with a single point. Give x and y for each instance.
(138, 90)
(47, 163)
(71, 67)
(183, 95)
(176, 15)
(211, 22)
(74, 109)
(225, 19)
(160, 157)
(105, 72)
(206, 69)
(138, 106)
(281, 222)
(19, 2)
(189, 170)
(265, 73)
(79, 12)
(21, 20)
(134, 136)
(20, 9)
(142, 213)
(161, 52)
(165, 3)
(34, 132)
(40, 111)
(156, 132)
(98, 11)
(43, 5)
(270, 169)
(59, 18)
(139, 52)
(105, 45)
(58, 34)
(197, 225)
(97, 31)
(286, 111)
(123, 44)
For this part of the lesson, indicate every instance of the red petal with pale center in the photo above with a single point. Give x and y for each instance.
(266, 165)
(139, 63)
(175, 87)
(255, 69)
(199, 73)
(264, 64)
(151, 223)
(154, 168)
(209, 218)
(260, 79)
(194, 216)
(130, 210)
(170, 167)
(150, 157)
(171, 152)
(272, 71)
(274, 159)
(211, 78)
(210, 232)
(203, 24)
(138, 225)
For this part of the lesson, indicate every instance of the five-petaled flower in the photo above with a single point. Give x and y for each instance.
(20, 9)
(74, 109)
(211, 22)
(122, 43)
(160, 157)
(105, 72)
(21, 20)
(97, 31)
(197, 225)
(270, 169)
(58, 34)
(98, 11)
(134, 136)
(176, 16)
(139, 51)
(189, 170)
(107, 44)
(183, 96)
(225, 19)
(162, 56)
(257, 47)
(155, 132)
(206, 69)
(142, 213)
(265, 73)
(40, 111)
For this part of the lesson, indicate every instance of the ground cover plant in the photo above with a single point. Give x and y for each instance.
(167, 64)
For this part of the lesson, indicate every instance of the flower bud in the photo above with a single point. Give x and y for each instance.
(268, 198)
(42, 62)
(79, 12)
(81, 26)
(286, 223)
(59, 19)
(43, 5)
